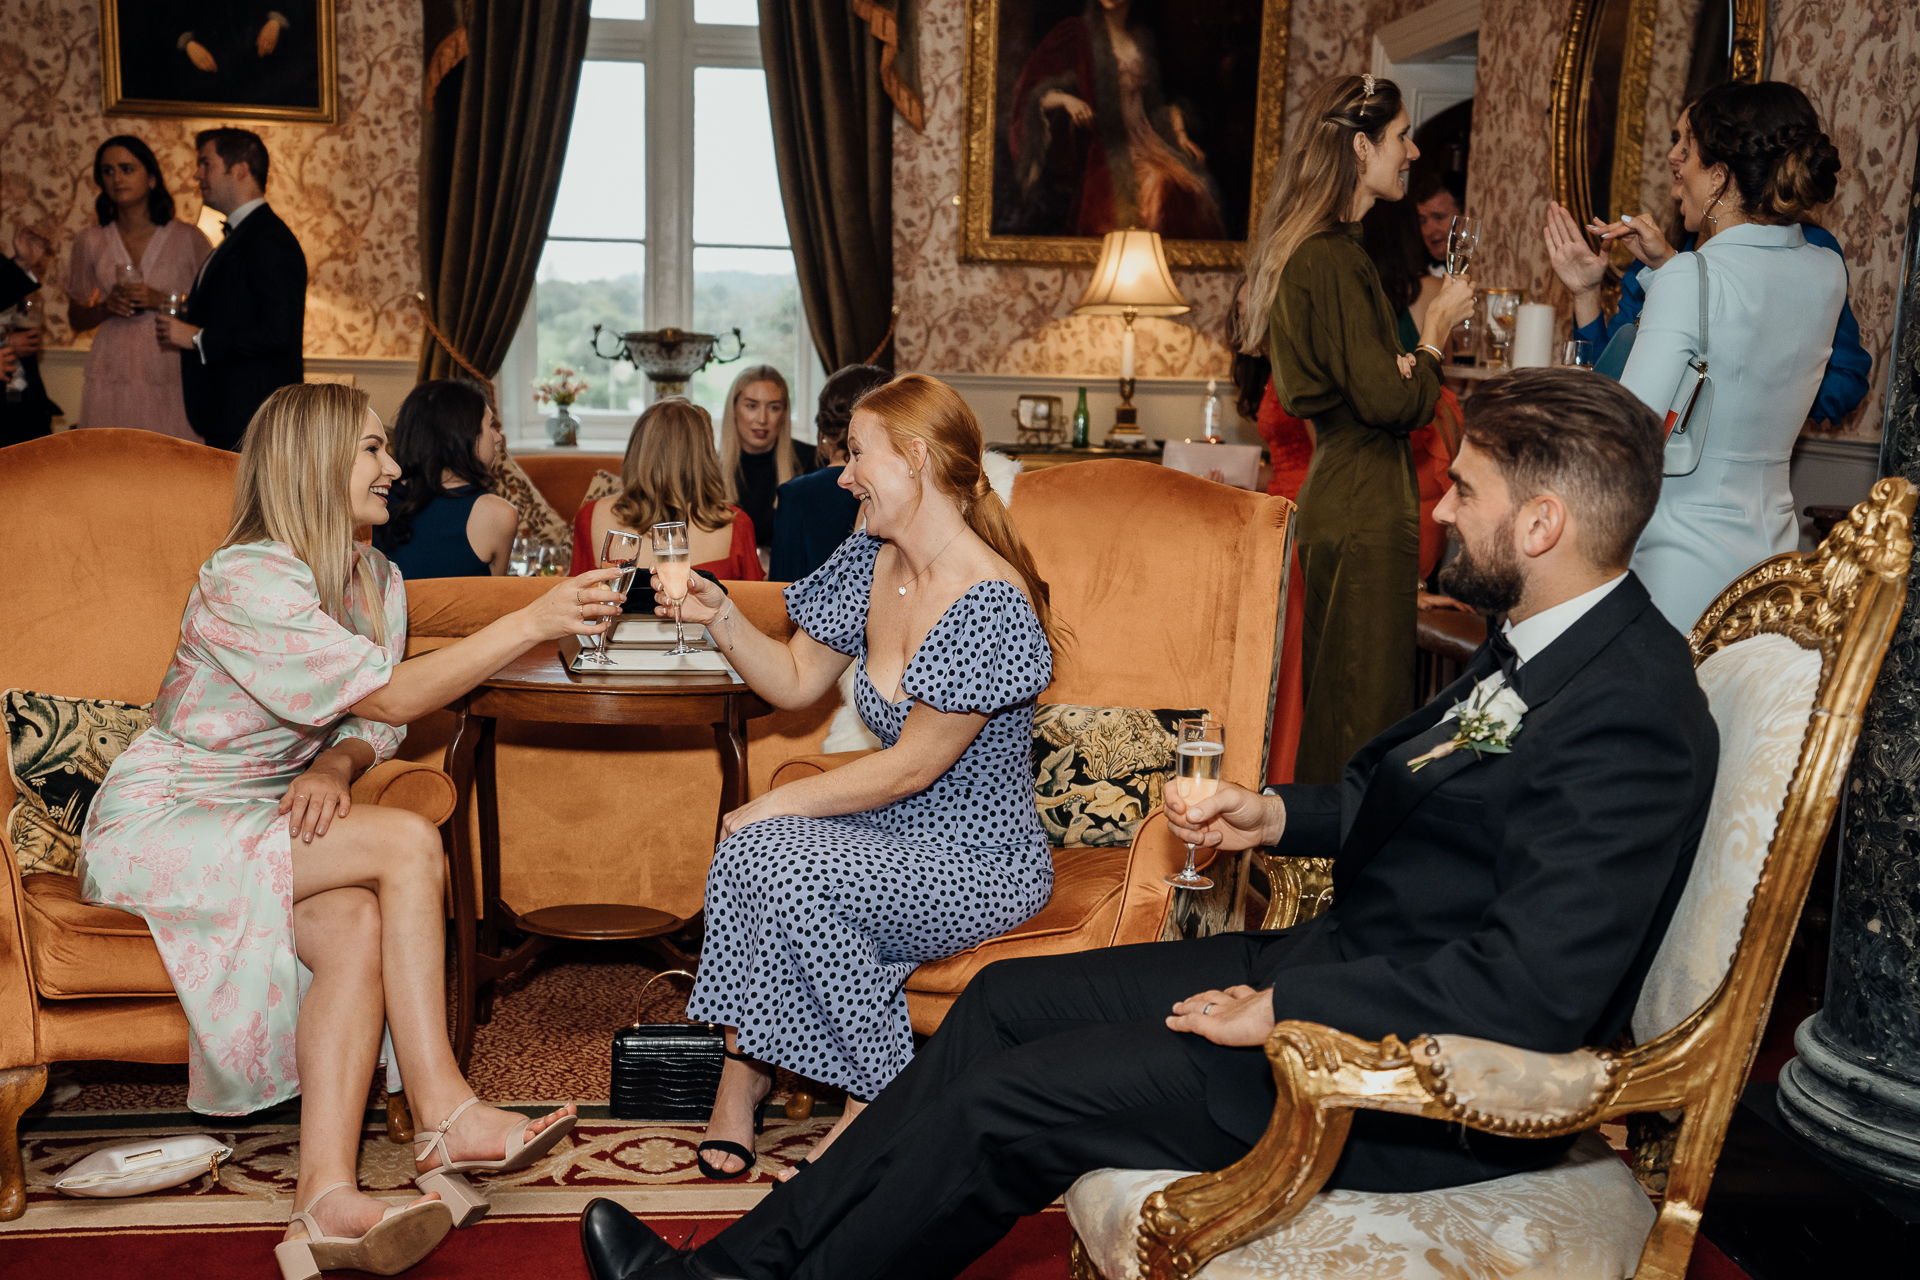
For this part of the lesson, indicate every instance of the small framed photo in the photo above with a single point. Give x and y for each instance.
(1085, 118)
(271, 60)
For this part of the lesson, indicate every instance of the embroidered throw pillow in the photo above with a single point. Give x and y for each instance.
(1098, 771)
(538, 519)
(603, 485)
(58, 753)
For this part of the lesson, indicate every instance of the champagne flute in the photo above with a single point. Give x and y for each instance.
(1463, 239)
(673, 561)
(1202, 743)
(619, 550)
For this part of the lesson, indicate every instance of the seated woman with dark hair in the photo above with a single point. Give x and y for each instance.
(442, 522)
(671, 472)
(291, 921)
(813, 515)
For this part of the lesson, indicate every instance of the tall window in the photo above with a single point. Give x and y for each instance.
(668, 213)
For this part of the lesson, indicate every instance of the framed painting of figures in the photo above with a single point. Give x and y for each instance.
(1089, 116)
(234, 59)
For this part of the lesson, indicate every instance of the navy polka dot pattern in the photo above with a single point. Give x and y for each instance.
(814, 924)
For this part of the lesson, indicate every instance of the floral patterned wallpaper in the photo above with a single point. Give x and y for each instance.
(349, 191)
(1859, 61)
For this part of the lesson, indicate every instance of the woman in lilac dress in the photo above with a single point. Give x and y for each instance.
(131, 382)
(292, 921)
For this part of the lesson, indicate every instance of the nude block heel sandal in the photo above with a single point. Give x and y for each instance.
(466, 1201)
(402, 1237)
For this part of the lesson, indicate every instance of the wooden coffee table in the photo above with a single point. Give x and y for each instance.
(538, 686)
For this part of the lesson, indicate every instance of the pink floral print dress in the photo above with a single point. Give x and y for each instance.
(186, 831)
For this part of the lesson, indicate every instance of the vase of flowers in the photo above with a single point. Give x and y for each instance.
(561, 390)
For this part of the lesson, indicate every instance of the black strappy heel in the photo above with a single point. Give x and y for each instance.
(732, 1148)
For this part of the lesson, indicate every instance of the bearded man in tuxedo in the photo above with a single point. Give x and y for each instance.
(1518, 897)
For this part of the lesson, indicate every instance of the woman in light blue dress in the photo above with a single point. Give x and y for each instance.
(1751, 163)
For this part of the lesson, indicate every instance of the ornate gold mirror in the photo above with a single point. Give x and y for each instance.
(1600, 89)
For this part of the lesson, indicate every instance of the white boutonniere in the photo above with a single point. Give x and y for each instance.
(1488, 722)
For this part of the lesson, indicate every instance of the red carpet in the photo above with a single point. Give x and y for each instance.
(506, 1249)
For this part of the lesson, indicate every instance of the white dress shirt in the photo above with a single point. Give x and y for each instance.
(1536, 633)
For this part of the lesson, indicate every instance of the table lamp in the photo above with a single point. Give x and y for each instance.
(1131, 279)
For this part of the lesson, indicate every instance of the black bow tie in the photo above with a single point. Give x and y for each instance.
(1502, 650)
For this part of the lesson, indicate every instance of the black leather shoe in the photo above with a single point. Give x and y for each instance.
(681, 1266)
(617, 1244)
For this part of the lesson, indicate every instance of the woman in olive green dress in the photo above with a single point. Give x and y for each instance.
(1337, 360)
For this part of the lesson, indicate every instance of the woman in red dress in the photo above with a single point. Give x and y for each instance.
(671, 472)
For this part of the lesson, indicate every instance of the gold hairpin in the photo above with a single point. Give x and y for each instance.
(1366, 82)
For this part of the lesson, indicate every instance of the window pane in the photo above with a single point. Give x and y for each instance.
(581, 285)
(603, 185)
(736, 192)
(755, 290)
(730, 13)
(635, 9)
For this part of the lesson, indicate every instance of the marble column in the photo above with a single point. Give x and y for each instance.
(1854, 1089)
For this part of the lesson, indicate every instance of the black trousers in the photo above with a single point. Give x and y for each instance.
(1045, 1069)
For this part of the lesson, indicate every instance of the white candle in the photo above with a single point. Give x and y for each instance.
(1533, 336)
(1126, 353)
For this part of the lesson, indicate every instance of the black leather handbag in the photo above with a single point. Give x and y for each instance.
(666, 1070)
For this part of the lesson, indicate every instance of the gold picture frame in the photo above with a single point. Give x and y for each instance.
(978, 241)
(1574, 91)
(141, 91)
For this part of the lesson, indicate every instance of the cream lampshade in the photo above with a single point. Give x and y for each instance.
(1131, 279)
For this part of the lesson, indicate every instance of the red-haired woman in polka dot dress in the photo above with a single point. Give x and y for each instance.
(826, 893)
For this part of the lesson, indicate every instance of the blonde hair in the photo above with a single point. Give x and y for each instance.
(1313, 189)
(296, 465)
(785, 461)
(917, 407)
(671, 471)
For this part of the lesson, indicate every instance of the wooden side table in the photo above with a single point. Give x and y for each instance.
(538, 686)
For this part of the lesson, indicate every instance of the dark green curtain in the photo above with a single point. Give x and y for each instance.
(493, 139)
(833, 145)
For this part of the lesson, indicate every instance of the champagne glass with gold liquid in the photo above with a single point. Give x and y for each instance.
(673, 561)
(1201, 746)
(620, 550)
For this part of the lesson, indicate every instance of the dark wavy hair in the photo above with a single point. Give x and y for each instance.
(835, 412)
(1776, 154)
(159, 200)
(433, 434)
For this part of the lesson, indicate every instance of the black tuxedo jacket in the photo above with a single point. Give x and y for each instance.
(1515, 897)
(251, 302)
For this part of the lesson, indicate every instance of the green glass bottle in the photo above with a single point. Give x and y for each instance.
(1082, 421)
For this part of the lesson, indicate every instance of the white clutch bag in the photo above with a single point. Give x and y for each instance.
(135, 1168)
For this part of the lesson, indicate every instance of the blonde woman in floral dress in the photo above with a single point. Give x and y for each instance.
(292, 922)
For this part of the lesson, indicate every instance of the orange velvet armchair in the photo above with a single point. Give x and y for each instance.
(106, 532)
(1173, 588)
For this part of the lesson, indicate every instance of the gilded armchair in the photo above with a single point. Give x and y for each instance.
(1787, 655)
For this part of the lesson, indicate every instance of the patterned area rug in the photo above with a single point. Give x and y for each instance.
(550, 1041)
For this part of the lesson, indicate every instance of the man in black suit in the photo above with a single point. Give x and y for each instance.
(1518, 897)
(241, 333)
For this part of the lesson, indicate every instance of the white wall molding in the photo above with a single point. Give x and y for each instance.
(385, 378)
(1827, 472)
(1429, 33)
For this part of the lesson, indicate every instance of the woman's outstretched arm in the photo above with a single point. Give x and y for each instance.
(578, 606)
(791, 675)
